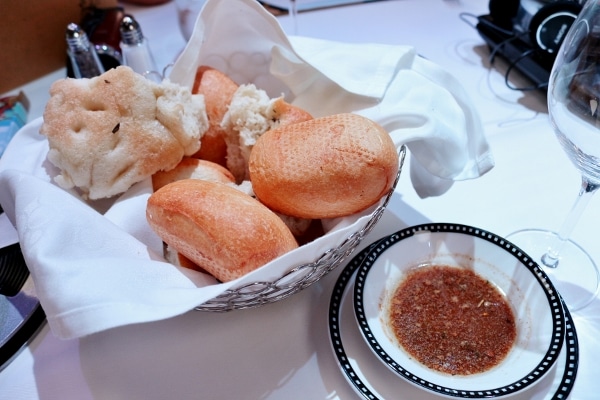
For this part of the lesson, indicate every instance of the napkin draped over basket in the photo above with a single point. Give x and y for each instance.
(98, 265)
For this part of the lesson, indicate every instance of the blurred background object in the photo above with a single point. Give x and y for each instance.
(82, 56)
(527, 35)
(101, 19)
(146, 2)
(187, 12)
(37, 39)
(33, 35)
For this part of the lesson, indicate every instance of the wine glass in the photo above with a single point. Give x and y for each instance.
(573, 100)
(293, 13)
(297, 6)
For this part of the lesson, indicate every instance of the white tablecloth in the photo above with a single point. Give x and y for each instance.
(282, 351)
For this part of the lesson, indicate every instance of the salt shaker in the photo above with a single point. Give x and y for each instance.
(82, 54)
(135, 49)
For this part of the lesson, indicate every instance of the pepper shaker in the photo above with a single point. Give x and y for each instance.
(82, 54)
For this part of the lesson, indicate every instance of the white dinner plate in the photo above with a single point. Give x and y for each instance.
(371, 379)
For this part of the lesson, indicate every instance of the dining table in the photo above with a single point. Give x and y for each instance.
(283, 350)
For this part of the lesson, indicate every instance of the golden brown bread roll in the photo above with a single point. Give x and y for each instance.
(219, 228)
(179, 260)
(237, 115)
(218, 90)
(285, 113)
(192, 168)
(323, 168)
(195, 168)
(250, 114)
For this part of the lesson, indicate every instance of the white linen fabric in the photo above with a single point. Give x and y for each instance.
(99, 265)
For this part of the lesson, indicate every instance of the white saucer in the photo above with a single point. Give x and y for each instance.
(371, 379)
(531, 296)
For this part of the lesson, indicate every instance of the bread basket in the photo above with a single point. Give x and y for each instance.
(254, 294)
(115, 274)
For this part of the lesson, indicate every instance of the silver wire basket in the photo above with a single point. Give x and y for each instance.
(299, 277)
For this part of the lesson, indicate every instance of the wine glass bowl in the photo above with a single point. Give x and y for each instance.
(574, 95)
(574, 111)
(293, 13)
(295, 7)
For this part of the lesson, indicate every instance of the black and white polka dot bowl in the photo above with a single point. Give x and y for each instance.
(536, 306)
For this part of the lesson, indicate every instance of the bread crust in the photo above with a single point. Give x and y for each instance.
(251, 113)
(219, 228)
(323, 168)
(218, 90)
(192, 168)
(237, 115)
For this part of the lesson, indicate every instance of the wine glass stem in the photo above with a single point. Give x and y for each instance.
(293, 11)
(552, 256)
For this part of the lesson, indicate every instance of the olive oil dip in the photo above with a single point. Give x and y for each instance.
(452, 320)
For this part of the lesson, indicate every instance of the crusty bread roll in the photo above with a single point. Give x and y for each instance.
(221, 229)
(250, 114)
(323, 168)
(217, 89)
(179, 260)
(112, 131)
(298, 226)
(193, 168)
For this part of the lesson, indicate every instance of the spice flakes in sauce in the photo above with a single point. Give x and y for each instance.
(452, 320)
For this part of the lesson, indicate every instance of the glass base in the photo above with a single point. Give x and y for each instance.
(574, 275)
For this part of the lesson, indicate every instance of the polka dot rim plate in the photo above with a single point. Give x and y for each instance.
(464, 387)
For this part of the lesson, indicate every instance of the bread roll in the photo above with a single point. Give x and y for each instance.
(112, 131)
(250, 114)
(221, 229)
(323, 168)
(195, 168)
(179, 260)
(298, 226)
(217, 89)
(192, 168)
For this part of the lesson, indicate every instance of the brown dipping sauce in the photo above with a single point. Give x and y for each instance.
(452, 320)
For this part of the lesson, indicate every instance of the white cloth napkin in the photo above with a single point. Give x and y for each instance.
(99, 265)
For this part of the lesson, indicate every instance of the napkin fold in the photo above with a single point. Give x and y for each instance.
(98, 265)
